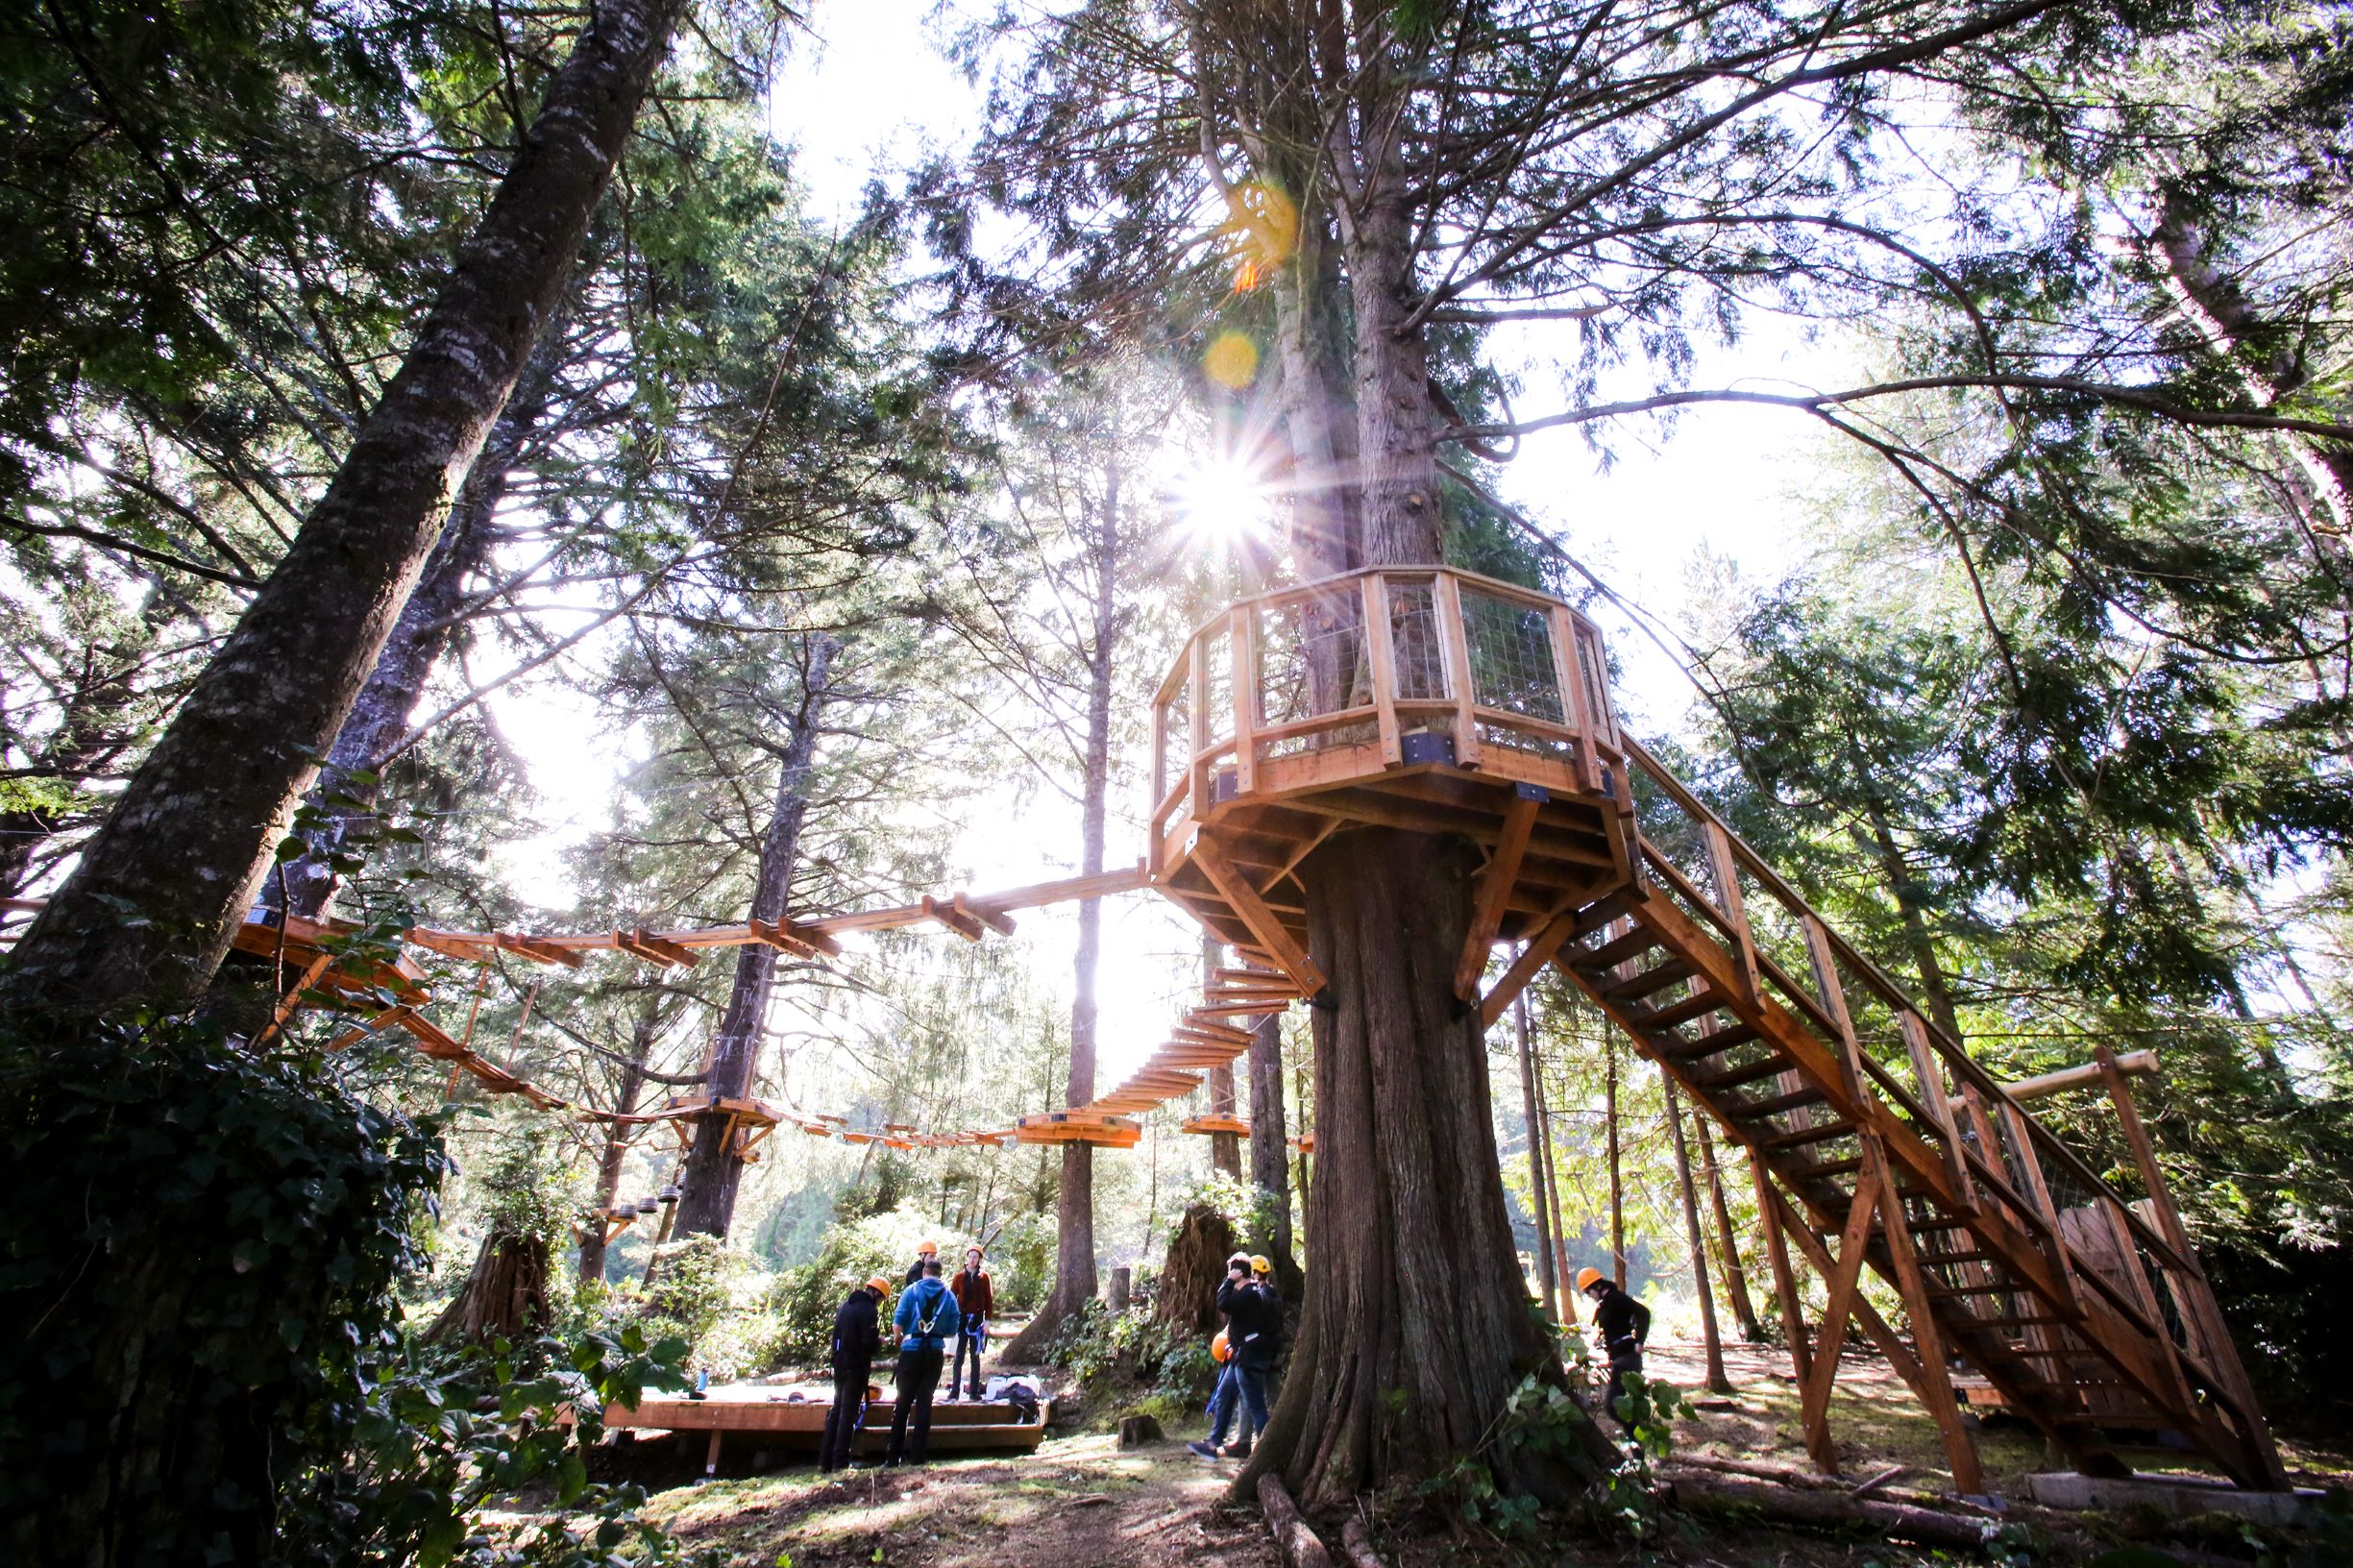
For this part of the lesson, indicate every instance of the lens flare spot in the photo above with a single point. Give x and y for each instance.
(1260, 232)
(1231, 360)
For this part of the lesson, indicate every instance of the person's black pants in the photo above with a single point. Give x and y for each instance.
(916, 1381)
(849, 1386)
(976, 1342)
(1619, 1364)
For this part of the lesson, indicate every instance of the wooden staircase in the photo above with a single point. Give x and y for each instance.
(1437, 701)
(2007, 1252)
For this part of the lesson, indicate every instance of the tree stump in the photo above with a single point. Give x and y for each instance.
(1196, 1266)
(1136, 1431)
(505, 1296)
(1122, 1287)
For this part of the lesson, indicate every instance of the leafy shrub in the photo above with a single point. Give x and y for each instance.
(803, 1301)
(1160, 1368)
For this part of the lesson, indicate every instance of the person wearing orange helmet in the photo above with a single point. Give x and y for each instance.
(1254, 1334)
(857, 1334)
(926, 1253)
(1623, 1325)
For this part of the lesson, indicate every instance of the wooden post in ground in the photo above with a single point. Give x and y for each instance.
(1735, 1278)
(1546, 1278)
(2192, 1295)
(1719, 1382)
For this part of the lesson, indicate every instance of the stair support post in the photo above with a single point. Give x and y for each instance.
(1936, 1375)
(1784, 1277)
(1844, 1280)
(2193, 1293)
(1494, 893)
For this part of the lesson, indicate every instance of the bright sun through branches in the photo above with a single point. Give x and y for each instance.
(1221, 497)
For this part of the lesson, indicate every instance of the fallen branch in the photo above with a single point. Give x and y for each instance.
(1300, 1546)
(1357, 1544)
(1787, 1504)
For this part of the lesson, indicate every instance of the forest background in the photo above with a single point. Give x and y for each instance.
(846, 510)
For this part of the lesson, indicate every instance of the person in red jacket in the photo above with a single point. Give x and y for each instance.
(974, 1300)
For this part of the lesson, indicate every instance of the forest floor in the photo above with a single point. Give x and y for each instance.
(1081, 1502)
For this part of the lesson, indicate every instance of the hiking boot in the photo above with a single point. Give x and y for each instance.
(1204, 1448)
(1238, 1451)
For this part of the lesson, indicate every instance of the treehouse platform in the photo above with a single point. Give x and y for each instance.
(1441, 701)
(1424, 698)
(773, 1418)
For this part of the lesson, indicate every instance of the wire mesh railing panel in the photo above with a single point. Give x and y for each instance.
(1311, 658)
(1217, 684)
(1416, 650)
(1511, 649)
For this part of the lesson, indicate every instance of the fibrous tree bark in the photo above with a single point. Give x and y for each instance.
(1193, 1268)
(1225, 1148)
(505, 1296)
(188, 842)
(1419, 1326)
(713, 1166)
(1271, 1159)
(614, 1152)
(342, 801)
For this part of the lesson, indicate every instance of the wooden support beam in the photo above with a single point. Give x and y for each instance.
(643, 943)
(954, 919)
(537, 950)
(1936, 1377)
(1724, 871)
(987, 915)
(1252, 911)
(1846, 1276)
(1540, 951)
(1495, 885)
(2191, 1291)
(2087, 1076)
(775, 936)
(1380, 657)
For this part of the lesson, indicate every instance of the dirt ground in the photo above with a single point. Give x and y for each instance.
(1080, 1502)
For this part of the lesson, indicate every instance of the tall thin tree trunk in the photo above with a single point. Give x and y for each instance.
(344, 797)
(1562, 1274)
(713, 1166)
(88, 734)
(1225, 1148)
(1912, 916)
(1719, 1382)
(1617, 1174)
(1735, 1278)
(1074, 1261)
(1537, 1197)
(616, 1151)
(1270, 1155)
(187, 843)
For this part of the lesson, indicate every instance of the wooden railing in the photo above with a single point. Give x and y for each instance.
(1356, 675)
(1996, 1156)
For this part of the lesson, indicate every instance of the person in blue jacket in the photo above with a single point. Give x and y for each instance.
(926, 1320)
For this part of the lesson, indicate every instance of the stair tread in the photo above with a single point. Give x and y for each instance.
(1657, 977)
(1775, 1105)
(1610, 954)
(1683, 1012)
(1799, 1137)
(1735, 1077)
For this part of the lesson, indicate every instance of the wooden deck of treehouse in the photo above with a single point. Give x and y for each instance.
(1441, 701)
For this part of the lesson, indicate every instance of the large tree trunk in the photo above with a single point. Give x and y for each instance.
(1419, 1327)
(344, 799)
(616, 1151)
(1074, 1263)
(1270, 1156)
(188, 842)
(713, 1166)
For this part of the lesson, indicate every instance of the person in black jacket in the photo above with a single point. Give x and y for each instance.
(1623, 1325)
(1254, 1328)
(857, 1334)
